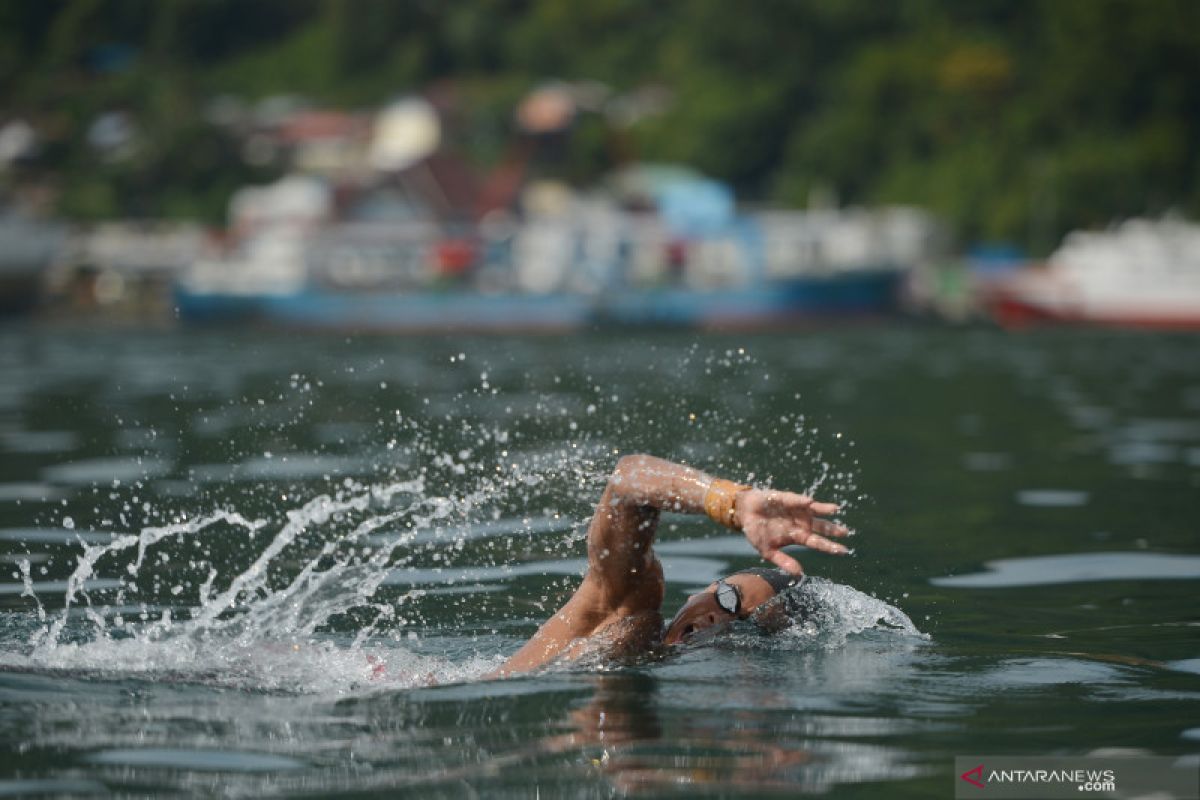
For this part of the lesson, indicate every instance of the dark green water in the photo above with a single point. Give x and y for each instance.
(329, 523)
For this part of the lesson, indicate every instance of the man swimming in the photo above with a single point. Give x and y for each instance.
(617, 607)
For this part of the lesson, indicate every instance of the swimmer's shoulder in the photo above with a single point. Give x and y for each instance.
(628, 637)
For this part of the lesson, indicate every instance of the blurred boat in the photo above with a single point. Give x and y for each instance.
(537, 278)
(774, 304)
(28, 246)
(121, 271)
(569, 263)
(1143, 274)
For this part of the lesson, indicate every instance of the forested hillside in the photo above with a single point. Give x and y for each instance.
(1013, 119)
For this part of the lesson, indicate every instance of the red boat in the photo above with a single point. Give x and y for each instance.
(1143, 274)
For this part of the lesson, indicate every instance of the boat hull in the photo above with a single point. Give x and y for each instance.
(1023, 306)
(857, 294)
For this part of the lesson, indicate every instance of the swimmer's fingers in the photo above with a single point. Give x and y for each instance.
(802, 502)
(824, 509)
(827, 528)
(784, 562)
(816, 542)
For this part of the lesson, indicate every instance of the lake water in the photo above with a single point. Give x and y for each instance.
(256, 564)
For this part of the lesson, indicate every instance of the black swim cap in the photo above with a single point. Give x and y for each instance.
(778, 579)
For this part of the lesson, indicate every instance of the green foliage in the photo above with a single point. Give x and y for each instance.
(1015, 120)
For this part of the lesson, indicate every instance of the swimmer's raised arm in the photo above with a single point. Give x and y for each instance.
(624, 580)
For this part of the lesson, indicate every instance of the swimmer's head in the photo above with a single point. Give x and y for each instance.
(734, 597)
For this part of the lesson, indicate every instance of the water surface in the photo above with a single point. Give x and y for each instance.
(250, 564)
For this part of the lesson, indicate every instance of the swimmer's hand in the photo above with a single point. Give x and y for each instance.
(771, 520)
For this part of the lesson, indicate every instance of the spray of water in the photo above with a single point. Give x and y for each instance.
(327, 595)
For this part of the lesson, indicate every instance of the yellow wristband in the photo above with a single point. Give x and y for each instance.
(718, 501)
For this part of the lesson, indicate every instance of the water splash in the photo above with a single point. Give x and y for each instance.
(264, 626)
(832, 613)
(267, 594)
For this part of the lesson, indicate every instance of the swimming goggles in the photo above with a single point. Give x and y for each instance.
(729, 598)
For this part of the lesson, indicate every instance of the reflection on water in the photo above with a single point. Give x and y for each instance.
(1062, 498)
(604, 731)
(99, 471)
(640, 742)
(198, 760)
(1075, 567)
(238, 568)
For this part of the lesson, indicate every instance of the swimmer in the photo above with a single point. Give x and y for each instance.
(618, 606)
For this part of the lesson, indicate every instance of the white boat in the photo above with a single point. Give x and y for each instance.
(1142, 274)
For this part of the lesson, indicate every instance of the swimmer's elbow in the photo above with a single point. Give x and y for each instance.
(639, 487)
(627, 475)
(633, 461)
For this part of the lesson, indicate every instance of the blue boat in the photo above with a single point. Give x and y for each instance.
(779, 303)
(601, 267)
